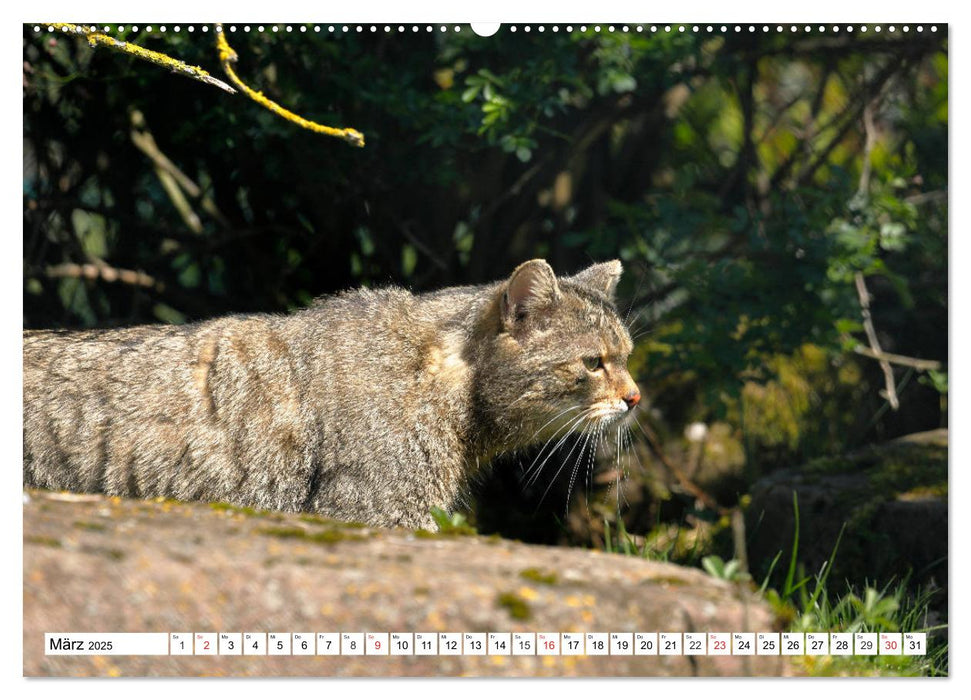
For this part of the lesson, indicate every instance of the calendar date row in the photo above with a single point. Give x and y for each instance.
(485, 643)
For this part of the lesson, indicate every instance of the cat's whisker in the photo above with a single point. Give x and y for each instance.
(637, 292)
(601, 443)
(570, 427)
(631, 451)
(585, 459)
(597, 442)
(570, 432)
(618, 469)
(581, 437)
(586, 475)
(573, 474)
(567, 410)
(591, 460)
(527, 395)
(569, 422)
(641, 332)
(584, 438)
(639, 322)
(628, 448)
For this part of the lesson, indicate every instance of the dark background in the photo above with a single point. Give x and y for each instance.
(743, 178)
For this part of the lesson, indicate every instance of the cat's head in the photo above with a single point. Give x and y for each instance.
(559, 363)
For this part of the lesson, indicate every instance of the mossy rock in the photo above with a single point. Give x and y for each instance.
(890, 501)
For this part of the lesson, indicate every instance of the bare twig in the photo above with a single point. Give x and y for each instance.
(686, 483)
(105, 272)
(227, 56)
(738, 537)
(842, 122)
(172, 178)
(925, 197)
(864, 295)
(437, 260)
(175, 195)
(902, 360)
(96, 38)
(871, 137)
(145, 142)
(871, 334)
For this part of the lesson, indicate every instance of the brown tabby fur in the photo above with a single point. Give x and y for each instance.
(372, 406)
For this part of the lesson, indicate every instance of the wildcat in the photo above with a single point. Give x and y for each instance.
(371, 405)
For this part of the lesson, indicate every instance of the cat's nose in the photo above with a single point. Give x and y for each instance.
(632, 399)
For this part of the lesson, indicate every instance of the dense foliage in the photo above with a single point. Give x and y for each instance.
(744, 179)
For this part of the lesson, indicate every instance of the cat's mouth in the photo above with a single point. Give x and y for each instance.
(577, 419)
(608, 411)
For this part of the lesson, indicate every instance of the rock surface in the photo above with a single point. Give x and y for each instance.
(104, 564)
(892, 499)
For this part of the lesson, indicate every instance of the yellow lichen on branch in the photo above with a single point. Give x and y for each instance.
(96, 38)
(227, 56)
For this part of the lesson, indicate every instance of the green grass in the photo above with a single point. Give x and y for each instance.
(622, 542)
(451, 524)
(813, 603)
(810, 605)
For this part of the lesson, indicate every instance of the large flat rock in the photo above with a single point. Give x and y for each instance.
(104, 564)
(890, 501)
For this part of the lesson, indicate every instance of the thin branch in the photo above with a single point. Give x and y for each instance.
(836, 47)
(861, 290)
(925, 197)
(96, 38)
(653, 296)
(146, 144)
(686, 483)
(876, 88)
(423, 247)
(172, 177)
(902, 360)
(843, 122)
(175, 195)
(808, 133)
(871, 137)
(104, 272)
(227, 56)
(871, 334)
(747, 155)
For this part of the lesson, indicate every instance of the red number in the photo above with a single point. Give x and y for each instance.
(377, 645)
(719, 645)
(205, 645)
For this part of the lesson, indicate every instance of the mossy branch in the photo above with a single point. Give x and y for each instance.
(227, 56)
(96, 38)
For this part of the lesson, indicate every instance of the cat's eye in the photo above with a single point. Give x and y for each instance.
(593, 363)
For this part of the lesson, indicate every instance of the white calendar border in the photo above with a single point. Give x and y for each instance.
(11, 645)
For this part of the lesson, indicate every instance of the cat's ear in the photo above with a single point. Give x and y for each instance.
(602, 277)
(531, 288)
